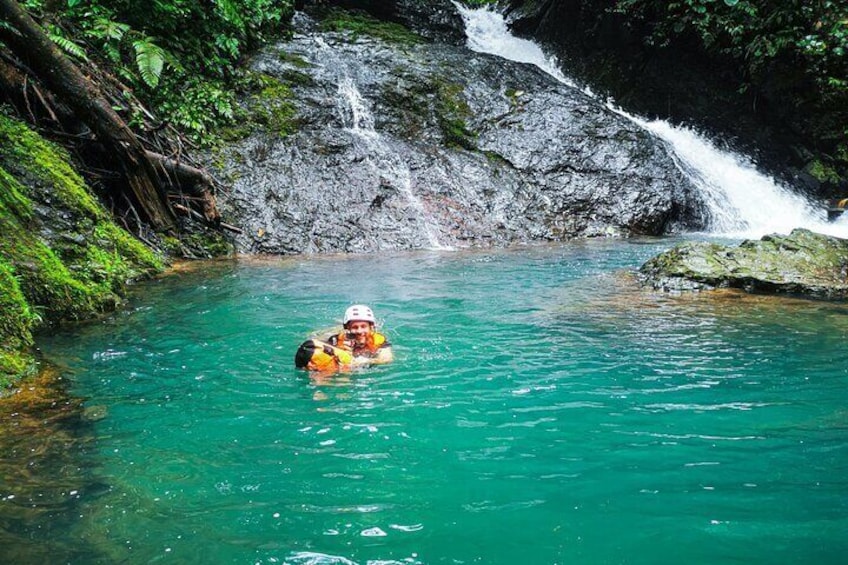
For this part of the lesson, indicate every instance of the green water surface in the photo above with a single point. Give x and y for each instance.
(541, 409)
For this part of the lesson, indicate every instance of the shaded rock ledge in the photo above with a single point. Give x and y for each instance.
(802, 263)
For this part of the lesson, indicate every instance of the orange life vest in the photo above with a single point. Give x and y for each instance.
(373, 342)
(317, 355)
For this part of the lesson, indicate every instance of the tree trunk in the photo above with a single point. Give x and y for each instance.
(198, 182)
(42, 106)
(61, 76)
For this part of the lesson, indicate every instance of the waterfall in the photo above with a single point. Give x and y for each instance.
(742, 201)
(360, 119)
(387, 162)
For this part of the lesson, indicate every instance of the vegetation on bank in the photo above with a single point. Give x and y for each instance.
(61, 255)
(179, 57)
(168, 70)
(360, 23)
(757, 34)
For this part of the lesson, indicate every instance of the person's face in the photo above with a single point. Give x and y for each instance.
(359, 330)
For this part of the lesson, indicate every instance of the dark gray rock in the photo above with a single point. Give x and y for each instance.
(802, 263)
(411, 146)
(436, 20)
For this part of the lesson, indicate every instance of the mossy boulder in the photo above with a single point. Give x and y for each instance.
(63, 258)
(801, 263)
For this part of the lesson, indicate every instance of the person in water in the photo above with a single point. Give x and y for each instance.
(360, 336)
(359, 343)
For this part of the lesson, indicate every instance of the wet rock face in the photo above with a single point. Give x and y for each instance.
(436, 20)
(802, 263)
(405, 146)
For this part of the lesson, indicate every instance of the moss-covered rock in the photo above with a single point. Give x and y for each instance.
(62, 256)
(413, 100)
(802, 263)
(359, 23)
(267, 105)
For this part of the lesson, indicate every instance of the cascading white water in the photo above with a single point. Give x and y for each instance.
(742, 201)
(387, 162)
(361, 120)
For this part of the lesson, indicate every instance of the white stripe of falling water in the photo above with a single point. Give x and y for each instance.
(362, 124)
(742, 201)
(361, 119)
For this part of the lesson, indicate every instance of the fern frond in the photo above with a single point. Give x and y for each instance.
(107, 29)
(172, 61)
(150, 60)
(8, 27)
(125, 74)
(68, 46)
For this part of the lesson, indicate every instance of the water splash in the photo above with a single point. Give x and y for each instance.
(742, 201)
(393, 170)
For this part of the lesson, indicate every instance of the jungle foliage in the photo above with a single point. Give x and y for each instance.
(178, 56)
(756, 33)
(794, 52)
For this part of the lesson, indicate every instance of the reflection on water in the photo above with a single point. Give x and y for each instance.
(44, 469)
(539, 401)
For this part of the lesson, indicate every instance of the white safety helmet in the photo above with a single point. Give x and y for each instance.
(359, 313)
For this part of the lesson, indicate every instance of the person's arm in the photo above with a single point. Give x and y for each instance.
(383, 355)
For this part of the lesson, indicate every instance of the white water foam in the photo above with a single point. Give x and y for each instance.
(383, 158)
(361, 119)
(742, 201)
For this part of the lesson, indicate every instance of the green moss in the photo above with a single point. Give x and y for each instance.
(293, 59)
(273, 108)
(451, 111)
(213, 244)
(359, 23)
(417, 102)
(62, 256)
(496, 159)
(297, 78)
(16, 323)
(29, 152)
(823, 172)
(206, 244)
(270, 107)
(139, 259)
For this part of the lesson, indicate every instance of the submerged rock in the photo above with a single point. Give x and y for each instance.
(404, 145)
(802, 263)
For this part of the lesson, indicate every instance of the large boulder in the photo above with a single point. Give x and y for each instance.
(801, 263)
(403, 145)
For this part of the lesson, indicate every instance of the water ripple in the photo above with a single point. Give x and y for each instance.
(538, 401)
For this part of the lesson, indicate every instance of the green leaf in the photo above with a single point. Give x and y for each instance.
(731, 3)
(108, 29)
(230, 11)
(68, 46)
(150, 59)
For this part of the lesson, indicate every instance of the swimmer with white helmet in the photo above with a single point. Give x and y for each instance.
(359, 343)
(361, 338)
